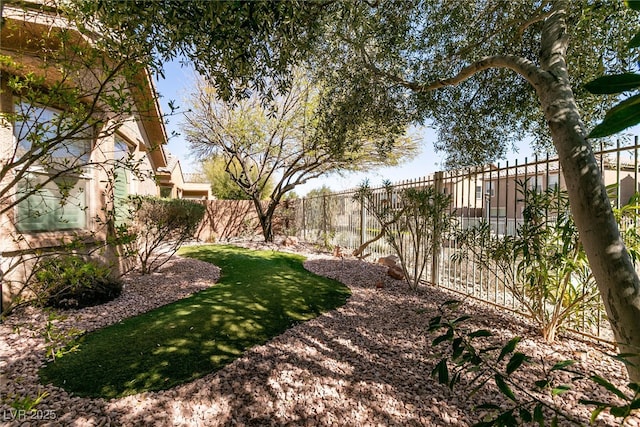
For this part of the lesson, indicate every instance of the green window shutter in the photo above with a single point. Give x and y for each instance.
(36, 212)
(47, 210)
(120, 193)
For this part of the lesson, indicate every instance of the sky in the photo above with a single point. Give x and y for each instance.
(178, 83)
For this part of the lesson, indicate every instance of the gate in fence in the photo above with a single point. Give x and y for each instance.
(489, 195)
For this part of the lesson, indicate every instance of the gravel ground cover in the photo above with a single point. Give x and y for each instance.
(367, 363)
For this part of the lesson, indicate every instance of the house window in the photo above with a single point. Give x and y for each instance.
(51, 137)
(165, 192)
(535, 183)
(53, 192)
(478, 192)
(489, 189)
(51, 204)
(554, 181)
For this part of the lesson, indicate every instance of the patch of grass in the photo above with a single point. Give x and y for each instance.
(259, 296)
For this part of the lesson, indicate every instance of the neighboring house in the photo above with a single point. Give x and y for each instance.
(502, 199)
(195, 187)
(69, 205)
(178, 185)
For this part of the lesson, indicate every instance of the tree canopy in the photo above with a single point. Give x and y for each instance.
(380, 60)
(284, 144)
(222, 185)
(406, 50)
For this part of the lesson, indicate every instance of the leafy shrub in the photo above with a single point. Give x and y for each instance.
(417, 234)
(162, 226)
(475, 360)
(73, 282)
(543, 265)
(413, 220)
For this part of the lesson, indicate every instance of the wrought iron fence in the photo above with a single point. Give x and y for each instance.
(483, 194)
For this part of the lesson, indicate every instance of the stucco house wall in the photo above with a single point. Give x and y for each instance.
(140, 136)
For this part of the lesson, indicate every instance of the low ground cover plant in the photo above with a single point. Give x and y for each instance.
(259, 296)
(70, 281)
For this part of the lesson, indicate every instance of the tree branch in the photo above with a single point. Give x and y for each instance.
(527, 69)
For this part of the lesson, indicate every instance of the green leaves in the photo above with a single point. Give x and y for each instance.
(619, 118)
(560, 389)
(442, 338)
(543, 264)
(614, 84)
(516, 361)
(509, 347)
(504, 387)
(626, 113)
(441, 370)
(481, 365)
(561, 366)
(480, 333)
(632, 4)
(610, 387)
(632, 402)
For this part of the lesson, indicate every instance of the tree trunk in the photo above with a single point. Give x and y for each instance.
(266, 218)
(610, 263)
(267, 228)
(358, 252)
(609, 260)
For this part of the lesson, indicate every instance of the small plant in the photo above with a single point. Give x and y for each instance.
(57, 341)
(70, 281)
(162, 226)
(412, 220)
(26, 404)
(382, 211)
(417, 234)
(482, 362)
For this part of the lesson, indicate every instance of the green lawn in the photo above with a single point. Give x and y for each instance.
(259, 296)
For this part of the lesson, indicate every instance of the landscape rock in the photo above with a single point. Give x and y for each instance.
(337, 252)
(389, 261)
(290, 241)
(365, 363)
(396, 272)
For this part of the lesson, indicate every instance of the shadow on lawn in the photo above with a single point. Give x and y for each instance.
(23, 400)
(369, 362)
(257, 298)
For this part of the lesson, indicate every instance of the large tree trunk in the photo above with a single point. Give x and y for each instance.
(610, 263)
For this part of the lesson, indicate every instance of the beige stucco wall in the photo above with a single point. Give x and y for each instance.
(16, 249)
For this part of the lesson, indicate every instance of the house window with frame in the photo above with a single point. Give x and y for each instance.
(488, 189)
(535, 183)
(165, 192)
(53, 153)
